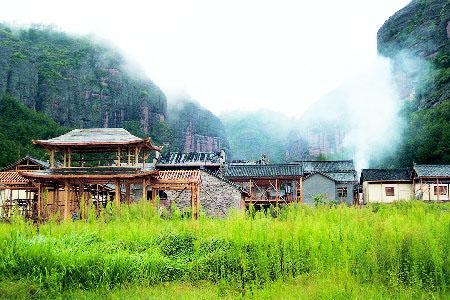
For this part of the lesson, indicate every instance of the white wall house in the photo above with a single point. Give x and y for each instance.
(386, 185)
(431, 182)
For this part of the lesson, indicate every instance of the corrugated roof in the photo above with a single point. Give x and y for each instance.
(385, 174)
(191, 159)
(12, 178)
(432, 170)
(255, 171)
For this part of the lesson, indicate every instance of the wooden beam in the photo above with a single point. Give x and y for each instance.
(154, 194)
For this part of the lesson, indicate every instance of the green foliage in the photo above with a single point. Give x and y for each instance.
(426, 138)
(401, 247)
(19, 126)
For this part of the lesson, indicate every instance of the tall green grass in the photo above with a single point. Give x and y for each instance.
(403, 245)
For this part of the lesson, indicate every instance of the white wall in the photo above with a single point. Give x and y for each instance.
(374, 192)
(426, 192)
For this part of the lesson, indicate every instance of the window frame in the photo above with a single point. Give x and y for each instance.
(343, 189)
(441, 188)
(389, 188)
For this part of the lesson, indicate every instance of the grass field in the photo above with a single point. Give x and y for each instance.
(380, 251)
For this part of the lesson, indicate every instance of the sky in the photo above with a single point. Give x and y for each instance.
(229, 55)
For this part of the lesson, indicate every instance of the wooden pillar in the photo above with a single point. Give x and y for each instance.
(127, 193)
(136, 156)
(39, 200)
(144, 189)
(276, 191)
(198, 200)
(251, 196)
(52, 158)
(118, 156)
(70, 158)
(301, 189)
(193, 201)
(438, 189)
(154, 194)
(66, 200)
(65, 158)
(128, 157)
(117, 194)
(82, 200)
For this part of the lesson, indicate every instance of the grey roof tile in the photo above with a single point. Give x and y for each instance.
(432, 170)
(385, 174)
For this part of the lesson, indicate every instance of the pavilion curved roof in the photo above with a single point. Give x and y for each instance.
(92, 138)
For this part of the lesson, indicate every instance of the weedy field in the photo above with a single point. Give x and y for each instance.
(327, 252)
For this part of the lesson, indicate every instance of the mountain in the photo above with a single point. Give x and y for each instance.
(58, 81)
(417, 40)
(194, 128)
(75, 81)
(254, 133)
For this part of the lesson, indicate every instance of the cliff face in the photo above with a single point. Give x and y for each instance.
(76, 82)
(417, 39)
(195, 129)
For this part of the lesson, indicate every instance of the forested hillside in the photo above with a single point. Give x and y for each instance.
(19, 125)
(417, 39)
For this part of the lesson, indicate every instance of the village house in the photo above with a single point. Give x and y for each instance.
(267, 183)
(431, 182)
(217, 195)
(386, 185)
(16, 190)
(333, 180)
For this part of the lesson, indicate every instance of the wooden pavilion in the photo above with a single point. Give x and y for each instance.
(91, 166)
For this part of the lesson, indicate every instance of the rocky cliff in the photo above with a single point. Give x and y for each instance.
(75, 81)
(417, 39)
(194, 128)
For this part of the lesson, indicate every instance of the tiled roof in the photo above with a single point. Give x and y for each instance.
(41, 163)
(178, 176)
(327, 166)
(191, 159)
(272, 170)
(220, 176)
(343, 176)
(12, 178)
(385, 174)
(92, 135)
(432, 170)
(336, 176)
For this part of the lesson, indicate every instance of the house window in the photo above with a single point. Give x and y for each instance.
(342, 192)
(442, 190)
(389, 191)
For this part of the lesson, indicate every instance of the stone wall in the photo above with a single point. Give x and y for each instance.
(217, 196)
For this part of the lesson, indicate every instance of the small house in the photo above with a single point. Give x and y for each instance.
(386, 185)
